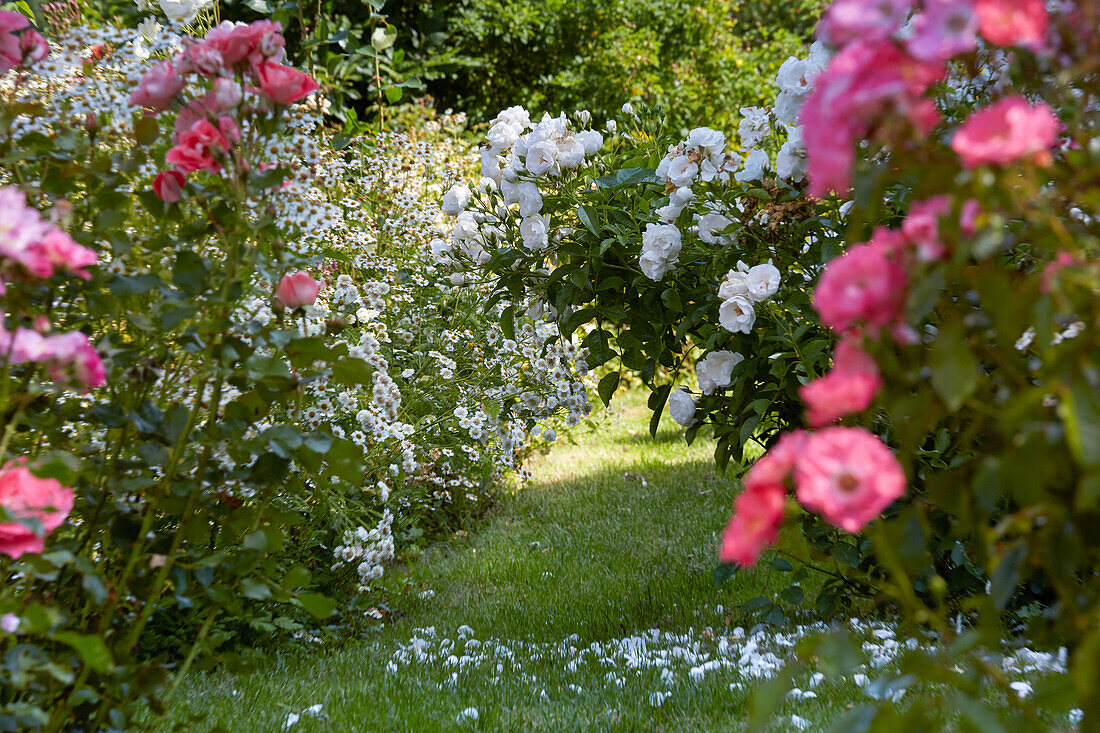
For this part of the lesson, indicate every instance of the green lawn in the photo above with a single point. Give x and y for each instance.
(558, 589)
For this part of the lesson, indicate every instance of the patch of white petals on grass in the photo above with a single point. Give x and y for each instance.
(658, 666)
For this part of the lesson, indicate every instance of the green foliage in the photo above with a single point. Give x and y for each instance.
(698, 62)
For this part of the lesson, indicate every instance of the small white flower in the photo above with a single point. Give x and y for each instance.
(467, 714)
(542, 157)
(628, 108)
(591, 140)
(9, 622)
(533, 230)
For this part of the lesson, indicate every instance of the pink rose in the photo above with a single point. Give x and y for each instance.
(168, 186)
(922, 227)
(282, 84)
(237, 42)
(197, 149)
(11, 52)
(34, 47)
(72, 358)
(227, 94)
(848, 475)
(59, 252)
(205, 59)
(849, 387)
(1012, 22)
(945, 28)
(773, 468)
(1008, 130)
(25, 496)
(297, 289)
(867, 20)
(757, 514)
(158, 86)
(866, 81)
(864, 286)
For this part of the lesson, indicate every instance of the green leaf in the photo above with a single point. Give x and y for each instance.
(350, 370)
(1006, 576)
(585, 214)
(1081, 414)
(256, 541)
(318, 605)
(93, 652)
(607, 387)
(383, 37)
(393, 94)
(189, 273)
(255, 589)
(954, 367)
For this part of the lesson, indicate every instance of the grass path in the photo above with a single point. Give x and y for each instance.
(585, 601)
(616, 535)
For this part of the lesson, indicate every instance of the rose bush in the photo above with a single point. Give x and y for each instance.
(958, 139)
(230, 392)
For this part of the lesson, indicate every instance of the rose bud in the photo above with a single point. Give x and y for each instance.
(297, 289)
(168, 185)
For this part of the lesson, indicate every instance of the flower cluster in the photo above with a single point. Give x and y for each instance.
(890, 54)
(240, 63)
(846, 474)
(741, 290)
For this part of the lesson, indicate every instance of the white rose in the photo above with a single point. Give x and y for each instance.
(612, 126)
(754, 126)
(710, 226)
(456, 199)
(583, 115)
(533, 230)
(509, 189)
(541, 158)
(716, 369)
(706, 139)
(735, 284)
(628, 108)
(465, 226)
(681, 406)
(681, 196)
(737, 315)
(796, 76)
(490, 164)
(183, 11)
(790, 163)
(570, 152)
(660, 249)
(591, 140)
(502, 136)
(668, 213)
(786, 108)
(682, 172)
(439, 248)
(754, 166)
(528, 198)
(762, 282)
(515, 116)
